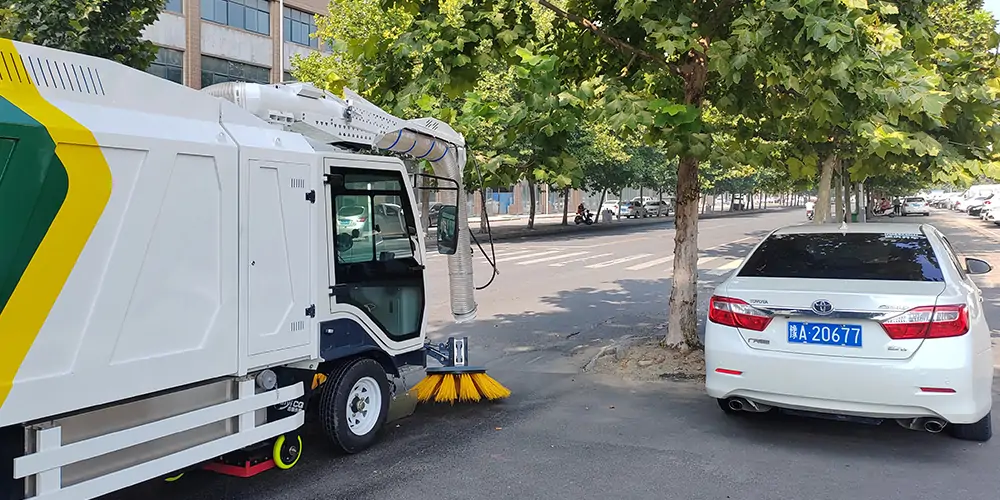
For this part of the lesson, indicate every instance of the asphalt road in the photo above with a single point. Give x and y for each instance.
(567, 435)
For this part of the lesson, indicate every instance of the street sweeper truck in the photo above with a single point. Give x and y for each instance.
(184, 274)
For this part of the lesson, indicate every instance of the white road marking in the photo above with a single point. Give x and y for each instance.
(652, 263)
(547, 259)
(526, 256)
(725, 268)
(704, 260)
(579, 259)
(618, 261)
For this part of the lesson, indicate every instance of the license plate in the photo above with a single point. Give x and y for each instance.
(824, 334)
(345, 222)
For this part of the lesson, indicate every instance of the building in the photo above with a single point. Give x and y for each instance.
(203, 42)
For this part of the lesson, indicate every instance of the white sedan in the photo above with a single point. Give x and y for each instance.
(869, 322)
(915, 205)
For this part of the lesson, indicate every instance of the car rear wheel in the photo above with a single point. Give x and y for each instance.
(980, 431)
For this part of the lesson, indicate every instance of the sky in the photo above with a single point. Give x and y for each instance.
(993, 6)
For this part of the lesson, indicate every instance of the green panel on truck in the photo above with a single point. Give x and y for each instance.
(33, 186)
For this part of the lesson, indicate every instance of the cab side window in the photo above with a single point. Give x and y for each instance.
(375, 248)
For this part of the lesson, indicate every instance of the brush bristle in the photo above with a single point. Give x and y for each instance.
(489, 387)
(467, 390)
(426, 388)
(447, 392)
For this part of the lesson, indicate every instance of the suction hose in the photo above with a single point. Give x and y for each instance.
(447, 161)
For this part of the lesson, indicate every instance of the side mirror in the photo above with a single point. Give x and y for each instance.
(977, 266)
(447, 230)
(345, 242)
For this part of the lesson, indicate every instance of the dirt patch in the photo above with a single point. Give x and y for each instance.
(644, 359)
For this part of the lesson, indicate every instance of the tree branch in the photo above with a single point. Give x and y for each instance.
(610, 40)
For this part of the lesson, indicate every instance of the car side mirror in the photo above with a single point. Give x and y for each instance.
(977, 266)
(447, 230)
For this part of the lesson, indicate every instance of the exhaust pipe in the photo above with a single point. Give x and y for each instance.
(743, 404)
(926, 424)
(934, 426)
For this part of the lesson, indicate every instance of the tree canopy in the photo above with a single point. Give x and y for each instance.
(111, 29)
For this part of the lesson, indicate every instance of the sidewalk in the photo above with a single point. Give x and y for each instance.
(551, 224)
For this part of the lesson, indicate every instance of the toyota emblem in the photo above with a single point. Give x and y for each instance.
(822, 307)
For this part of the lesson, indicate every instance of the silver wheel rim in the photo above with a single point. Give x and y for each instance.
(364, 404)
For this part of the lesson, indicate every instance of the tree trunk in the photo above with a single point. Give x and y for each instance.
(482, 217)
(845, 179)
(565, 207)
(822, 214)
(838, 191)
(600, 204)
(682, 325)
(531, 200)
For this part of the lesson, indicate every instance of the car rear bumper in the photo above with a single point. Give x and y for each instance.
(879, 388)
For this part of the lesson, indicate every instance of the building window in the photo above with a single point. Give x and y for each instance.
(174, 6)
(169, 65)
(250, 15)
(299, 26)
(287, 77)
(215, 70)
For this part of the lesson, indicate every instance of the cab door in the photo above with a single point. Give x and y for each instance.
(376, 262)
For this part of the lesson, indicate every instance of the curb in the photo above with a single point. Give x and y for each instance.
(557, 230)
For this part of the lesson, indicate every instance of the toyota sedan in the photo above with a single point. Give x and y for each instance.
(868, 322)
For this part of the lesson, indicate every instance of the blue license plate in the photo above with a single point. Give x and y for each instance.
(824, 334)
(345, 221)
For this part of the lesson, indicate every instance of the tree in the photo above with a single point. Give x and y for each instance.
(110, 29)
(604, 161)
(899, 94)
(431, 58)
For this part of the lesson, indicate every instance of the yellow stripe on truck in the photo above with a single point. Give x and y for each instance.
(88, 193)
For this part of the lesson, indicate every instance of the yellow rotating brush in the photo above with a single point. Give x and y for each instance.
(455, 381)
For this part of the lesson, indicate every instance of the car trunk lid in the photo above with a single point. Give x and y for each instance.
(826, 317)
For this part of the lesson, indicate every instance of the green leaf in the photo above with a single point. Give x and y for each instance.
(856, 4)
(888, 8)
(832, 42)
(933, 102)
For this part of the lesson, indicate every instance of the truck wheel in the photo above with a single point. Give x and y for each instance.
(354, 407)
(287, 451)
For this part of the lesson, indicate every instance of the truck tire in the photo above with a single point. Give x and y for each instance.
(354, 405)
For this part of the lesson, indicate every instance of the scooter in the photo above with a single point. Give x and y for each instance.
(886, 212)
(809, 214)
(586, 218)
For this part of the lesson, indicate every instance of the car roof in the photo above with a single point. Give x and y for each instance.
(867, 227)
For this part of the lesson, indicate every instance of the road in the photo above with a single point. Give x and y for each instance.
(571, 435)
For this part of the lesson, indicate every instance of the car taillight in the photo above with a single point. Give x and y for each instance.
(362, 219)
(737, 313)
(928, 322)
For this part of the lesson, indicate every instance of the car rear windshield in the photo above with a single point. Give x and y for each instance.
(854, 256)
(914, 200)
(351, 211)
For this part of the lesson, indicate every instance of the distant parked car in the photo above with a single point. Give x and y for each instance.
(915, 205)
(656, 208)
(635, 210)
